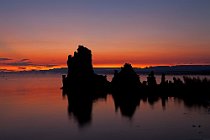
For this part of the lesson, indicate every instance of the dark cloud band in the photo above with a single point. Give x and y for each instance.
(4, 59)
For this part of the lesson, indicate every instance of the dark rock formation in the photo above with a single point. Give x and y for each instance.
(81, 76)
(82, 86)
(151, 80)
(126, 80)
(80, 65)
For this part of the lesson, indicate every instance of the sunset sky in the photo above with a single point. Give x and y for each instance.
(39, 34)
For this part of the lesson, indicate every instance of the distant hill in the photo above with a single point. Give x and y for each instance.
(177, 70)
(173, 70)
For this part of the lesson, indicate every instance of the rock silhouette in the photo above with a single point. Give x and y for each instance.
(80, 65)
(125, 87)
(126, 80)
(83, 86)
(81, 76)
(151, 80)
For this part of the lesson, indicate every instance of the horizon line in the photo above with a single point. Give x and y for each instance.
(104, 67)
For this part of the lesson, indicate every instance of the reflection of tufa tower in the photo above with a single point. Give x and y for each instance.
(80, 65)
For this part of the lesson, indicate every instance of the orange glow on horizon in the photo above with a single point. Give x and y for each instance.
(145, 55)
(121, 65)
(30, 68)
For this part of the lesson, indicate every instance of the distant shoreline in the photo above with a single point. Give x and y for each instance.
(168, 70)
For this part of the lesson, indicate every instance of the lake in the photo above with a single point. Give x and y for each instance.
(32, 108)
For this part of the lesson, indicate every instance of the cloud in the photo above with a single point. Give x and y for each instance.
(21, 68)
(20, 63)
(22, 60)
(2, 70)
(26, 62)
(4, 59)
(49, 65)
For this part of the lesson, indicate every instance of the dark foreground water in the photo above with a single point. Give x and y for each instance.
(32, 108)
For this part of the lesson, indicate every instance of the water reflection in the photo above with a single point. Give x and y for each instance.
(80, 103)
(32, 108)
(189, 102)
(126, 103)
(194, 102)
(80, 109)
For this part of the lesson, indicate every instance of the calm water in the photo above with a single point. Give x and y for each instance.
(32, 108)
